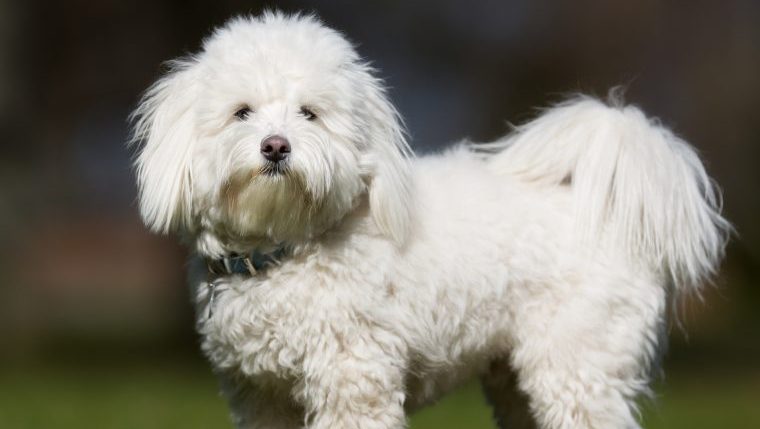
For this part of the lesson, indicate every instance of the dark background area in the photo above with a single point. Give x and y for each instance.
(91, 302)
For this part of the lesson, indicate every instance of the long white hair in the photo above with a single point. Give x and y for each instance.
(174, 133)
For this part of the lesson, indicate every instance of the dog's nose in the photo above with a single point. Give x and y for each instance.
(275, 148)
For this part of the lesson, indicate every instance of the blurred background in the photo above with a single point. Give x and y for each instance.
(95, 322)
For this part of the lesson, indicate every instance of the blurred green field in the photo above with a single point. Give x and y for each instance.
(168, 396)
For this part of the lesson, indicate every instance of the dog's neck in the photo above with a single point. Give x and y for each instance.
(251, 263)
(226, 256)
(227, 253)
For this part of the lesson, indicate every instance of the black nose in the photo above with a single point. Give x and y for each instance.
(275, 148)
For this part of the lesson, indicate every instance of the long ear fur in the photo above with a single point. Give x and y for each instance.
(164, 128)
(390, 187)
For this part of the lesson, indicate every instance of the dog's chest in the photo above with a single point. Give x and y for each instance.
(271, 327)
(253, 327)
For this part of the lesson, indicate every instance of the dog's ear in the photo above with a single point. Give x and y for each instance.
(164, 129)
(389, 179)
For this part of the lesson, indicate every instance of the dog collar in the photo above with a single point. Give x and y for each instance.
(249, 264)
(252, 263)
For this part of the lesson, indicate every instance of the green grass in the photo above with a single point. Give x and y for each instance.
(169, 396)
(142, 398)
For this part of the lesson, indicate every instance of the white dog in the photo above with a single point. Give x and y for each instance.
(372, 282)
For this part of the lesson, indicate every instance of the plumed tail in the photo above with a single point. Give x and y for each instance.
(633, 182)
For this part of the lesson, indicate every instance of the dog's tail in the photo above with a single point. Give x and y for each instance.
(633, 182)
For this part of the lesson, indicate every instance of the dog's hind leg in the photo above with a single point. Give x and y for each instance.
(583, 357)
(510, 405)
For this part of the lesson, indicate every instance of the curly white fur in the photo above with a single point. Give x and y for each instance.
(541, 262)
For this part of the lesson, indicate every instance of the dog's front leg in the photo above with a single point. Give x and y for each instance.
(358, 385)
(355, 396)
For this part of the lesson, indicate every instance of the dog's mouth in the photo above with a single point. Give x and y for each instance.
(274, 169)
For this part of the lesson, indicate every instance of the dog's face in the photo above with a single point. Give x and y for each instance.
(273, 131)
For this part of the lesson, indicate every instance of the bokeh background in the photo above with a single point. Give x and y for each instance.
(95, 320)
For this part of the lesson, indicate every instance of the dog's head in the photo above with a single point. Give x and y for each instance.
(274, 131)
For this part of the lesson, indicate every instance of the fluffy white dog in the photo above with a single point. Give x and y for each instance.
(373, 282)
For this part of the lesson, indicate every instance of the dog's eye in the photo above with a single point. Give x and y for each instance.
(243, 113)
(308, 114)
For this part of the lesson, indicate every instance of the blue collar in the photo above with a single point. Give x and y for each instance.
(250, 264)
